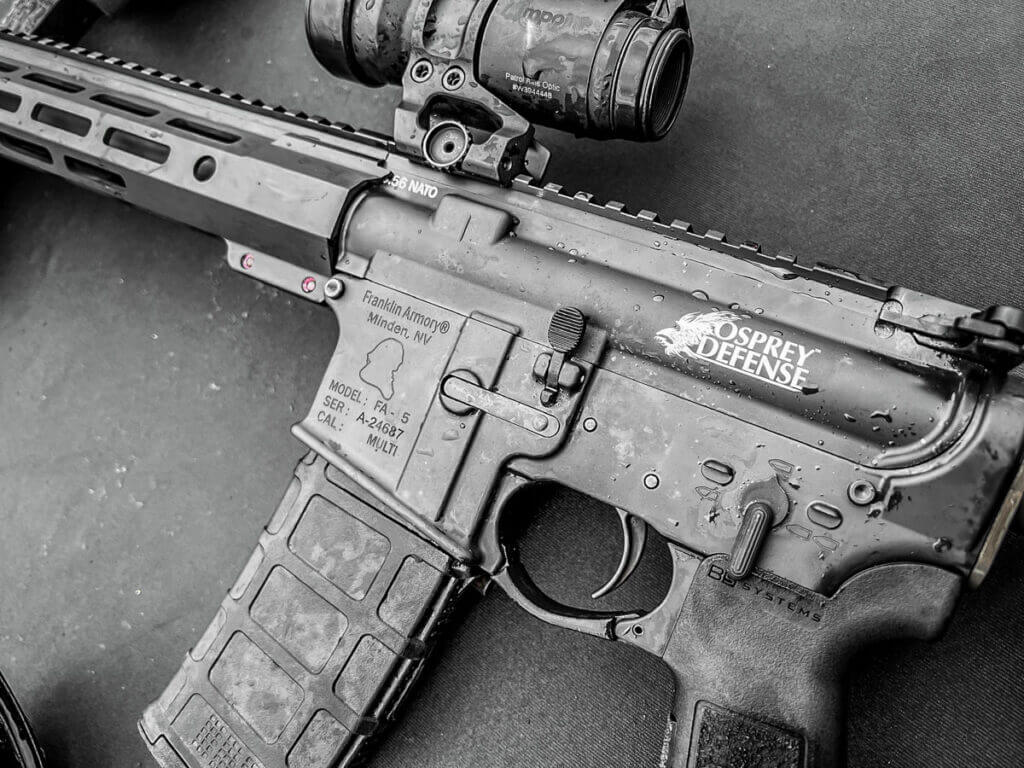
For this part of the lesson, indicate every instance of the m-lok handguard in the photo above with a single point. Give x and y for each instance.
(828, 459)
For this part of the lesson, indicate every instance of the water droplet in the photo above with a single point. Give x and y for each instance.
(658, 298)
(700, 295)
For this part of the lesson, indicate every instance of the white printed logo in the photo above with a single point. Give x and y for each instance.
(720, 337)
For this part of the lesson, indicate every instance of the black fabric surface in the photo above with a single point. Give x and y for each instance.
(147, 391)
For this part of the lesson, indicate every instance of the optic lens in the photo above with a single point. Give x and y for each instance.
(665, 82)
(650, 79)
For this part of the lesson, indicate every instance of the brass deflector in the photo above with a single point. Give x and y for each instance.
(1004, 519)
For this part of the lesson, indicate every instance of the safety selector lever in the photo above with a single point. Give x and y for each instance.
(757, 521)
(555, 370)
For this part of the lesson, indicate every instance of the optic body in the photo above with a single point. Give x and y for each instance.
(598, 69)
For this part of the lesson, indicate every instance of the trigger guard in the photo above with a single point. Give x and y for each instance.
(518, 585)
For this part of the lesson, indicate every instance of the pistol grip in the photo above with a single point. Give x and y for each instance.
(760, 663)
(315, 645)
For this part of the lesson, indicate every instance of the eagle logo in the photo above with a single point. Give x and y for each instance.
(682, 339)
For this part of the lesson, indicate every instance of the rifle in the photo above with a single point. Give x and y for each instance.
(828, 459)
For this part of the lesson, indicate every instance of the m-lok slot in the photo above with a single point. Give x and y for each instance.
(116, 102)
(93, 172)
(53, 82)
(147, 149)
(26, 148)
(9, 102)
(61, 120)
(207, 132)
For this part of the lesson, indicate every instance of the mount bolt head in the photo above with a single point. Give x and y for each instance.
(454, 78)
(421, 71)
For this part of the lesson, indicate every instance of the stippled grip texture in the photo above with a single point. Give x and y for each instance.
(316, 643)
(760, 662)
(726, 738)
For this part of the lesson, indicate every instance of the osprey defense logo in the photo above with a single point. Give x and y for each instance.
(720, 337)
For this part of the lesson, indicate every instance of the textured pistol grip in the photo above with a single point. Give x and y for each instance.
(760, 663)
(317, 642)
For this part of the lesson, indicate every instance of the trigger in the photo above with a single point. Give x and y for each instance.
(634, 536)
